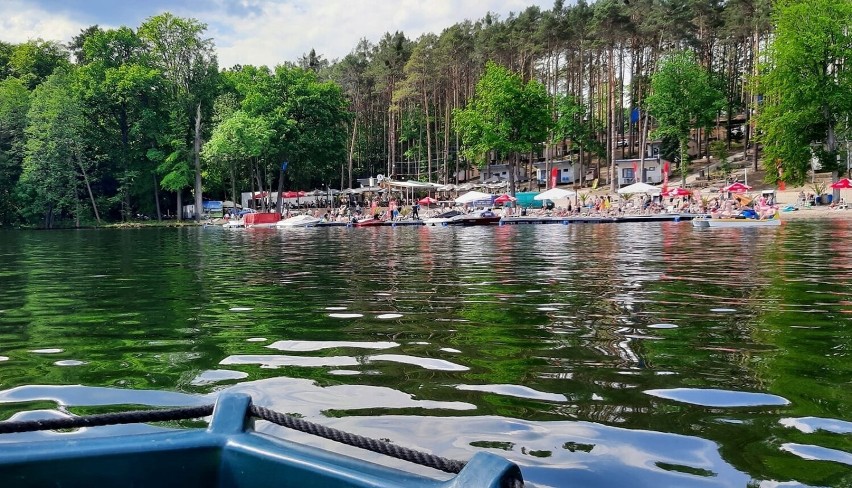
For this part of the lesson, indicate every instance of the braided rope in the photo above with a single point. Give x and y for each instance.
(131, 417)
(375, 445)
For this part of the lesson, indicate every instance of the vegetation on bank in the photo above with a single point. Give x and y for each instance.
(127, 122)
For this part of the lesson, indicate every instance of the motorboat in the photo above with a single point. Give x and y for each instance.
(479, 217)
(705, 222)
(369, 222)
(442, 218)
(229, 453)
(234, 224)
(299, 221)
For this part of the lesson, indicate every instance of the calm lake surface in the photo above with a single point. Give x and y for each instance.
(592, 355)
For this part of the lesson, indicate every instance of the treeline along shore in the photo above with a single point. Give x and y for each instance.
(117, 125)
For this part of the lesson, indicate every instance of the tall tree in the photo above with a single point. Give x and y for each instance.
(807, 86)
(505, 115)
(188, 63)
(14, 103)
(681, 98)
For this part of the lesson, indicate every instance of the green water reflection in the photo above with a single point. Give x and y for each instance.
(543, 324)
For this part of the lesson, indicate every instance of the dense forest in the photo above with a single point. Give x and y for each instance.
(119, 123)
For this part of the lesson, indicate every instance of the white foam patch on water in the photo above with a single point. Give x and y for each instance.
(547, 309)
(533, 291)
(663, 326)
(240, 309)
(425, 363)
(69, 362)
(335, 308)
(277, 361)
(4, 358)
(47, 351)
(256, 339)
(723, 310)
(344, 372)
(346, 315)
(385, 316)
(382, 294)
(450, 349)
(719, 398)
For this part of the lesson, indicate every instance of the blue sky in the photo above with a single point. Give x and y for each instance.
(255, 31)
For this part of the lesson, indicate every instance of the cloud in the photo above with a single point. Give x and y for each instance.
(259, 31)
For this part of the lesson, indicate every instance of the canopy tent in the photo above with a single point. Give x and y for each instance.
(474, 196)
(555, 194)
(737, 188)
(639, 187)
(427, 201)
(842, 184)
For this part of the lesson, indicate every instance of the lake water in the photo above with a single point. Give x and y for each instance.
(592, 355)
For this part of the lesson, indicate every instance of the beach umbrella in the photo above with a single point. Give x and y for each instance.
(737, 188)
(505, 198)
(427, 201)
(638, 188)
(554, 194)
(842, 184)
(678, 192)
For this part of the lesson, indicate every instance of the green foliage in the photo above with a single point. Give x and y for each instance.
(573, 123)
(14, 103)
(682, 97)
(504, 115)
(35, 60)
(807, 86)
(719, 150)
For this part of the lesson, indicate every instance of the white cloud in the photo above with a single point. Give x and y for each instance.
(273, 31)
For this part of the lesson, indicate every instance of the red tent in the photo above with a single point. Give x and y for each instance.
(737, 188)
(427, 201)
(260, 195)
(842, 184)
(293, 194)
(678, 192)
(505, 198)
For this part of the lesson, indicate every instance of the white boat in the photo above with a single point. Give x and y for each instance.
(441, 219)
(299, 221)
(704, 222)
(234, 224)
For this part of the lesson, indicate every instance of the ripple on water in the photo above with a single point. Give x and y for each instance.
(256, 339)
(450, 349)
(46, 351)
(663, 326)
(335, 308)
(344, 372)
(386, 316)
(217, 375)
(809, 425)
(69, 362)
(278, 361)
(4, 358)
(719, 398)
(515, 391)
(723, 310)
(240, 309)
(346, 315)
(303, 346)
(425, 363)
(817, 453)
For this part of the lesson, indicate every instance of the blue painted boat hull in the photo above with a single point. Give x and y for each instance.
(227, 454)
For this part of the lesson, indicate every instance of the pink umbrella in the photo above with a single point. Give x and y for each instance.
(502, 199)
(678, 192)
(737, 188)
(842, 184)
(427, 201)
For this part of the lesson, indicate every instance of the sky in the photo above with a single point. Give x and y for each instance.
(258, 32)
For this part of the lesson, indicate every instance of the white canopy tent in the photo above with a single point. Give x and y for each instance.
(639, 188)
(554, 194)
(473, 196)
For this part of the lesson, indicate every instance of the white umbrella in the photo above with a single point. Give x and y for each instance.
(473, 196)
(639, 188)
(554, 194)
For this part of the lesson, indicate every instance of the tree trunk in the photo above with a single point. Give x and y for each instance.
(89, 189)
(428, 137)
(157, 198)
(196, 155)
(233, 188)
(179, 205)
(280, 201)
(352, 149)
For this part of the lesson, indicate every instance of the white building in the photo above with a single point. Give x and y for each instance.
(631, 171)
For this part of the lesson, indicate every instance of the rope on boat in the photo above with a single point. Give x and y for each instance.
(184, 413)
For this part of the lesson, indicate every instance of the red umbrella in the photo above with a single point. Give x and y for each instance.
(291, 194)
(502, 199)
(427, 201)
(842, 184)
(737, 188)
(678, 192)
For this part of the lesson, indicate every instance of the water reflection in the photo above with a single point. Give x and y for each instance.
(543, 339)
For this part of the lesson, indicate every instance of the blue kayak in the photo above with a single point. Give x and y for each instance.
(229, 453)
